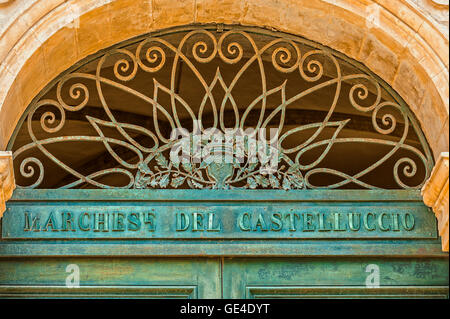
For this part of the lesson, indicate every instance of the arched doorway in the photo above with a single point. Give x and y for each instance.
(349, 164)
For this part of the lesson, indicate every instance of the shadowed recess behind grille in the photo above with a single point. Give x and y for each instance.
(107, 122)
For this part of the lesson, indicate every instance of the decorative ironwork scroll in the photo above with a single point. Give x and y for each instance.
(298, 69)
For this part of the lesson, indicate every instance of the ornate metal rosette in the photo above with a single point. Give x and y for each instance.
(106, 123)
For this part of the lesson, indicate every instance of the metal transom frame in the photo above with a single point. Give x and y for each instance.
(107, 122)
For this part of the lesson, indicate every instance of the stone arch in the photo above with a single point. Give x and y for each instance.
(397, 41)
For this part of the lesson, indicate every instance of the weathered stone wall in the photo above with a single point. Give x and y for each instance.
(435, 195)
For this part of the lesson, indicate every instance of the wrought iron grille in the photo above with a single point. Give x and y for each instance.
(107, 122)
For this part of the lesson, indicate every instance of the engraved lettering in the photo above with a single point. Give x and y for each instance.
(212, 222)
(197, 222)
(322, 227)
(101, 219)
(366, 221)
(337, 222)
(149, 219)
(292, 222)
(118, 222)
(381, 224)
(351, 221)
(395, 222)
(134, 223)
(67, 222)
(276, 221)
(182, 221)
(35, 225)
(81, 223)
(106, 222)
(26, 227)
(405, 222)
(50, 223)
(308, 220)
(242, 226)
(260, 223)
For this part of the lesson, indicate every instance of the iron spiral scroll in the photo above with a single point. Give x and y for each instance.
(245, 51)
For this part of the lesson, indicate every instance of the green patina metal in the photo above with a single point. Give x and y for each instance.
(167, 215)
(226, 240)
(166, 259)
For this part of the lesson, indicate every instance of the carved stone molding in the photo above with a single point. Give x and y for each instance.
(435, 195)
(7, 182)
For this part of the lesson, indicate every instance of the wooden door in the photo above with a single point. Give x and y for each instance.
(215, 278)
(334, 278)
(111, 278)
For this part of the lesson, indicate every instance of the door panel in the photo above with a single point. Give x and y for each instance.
(242, 277)
(334, 278)
(106, 278)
